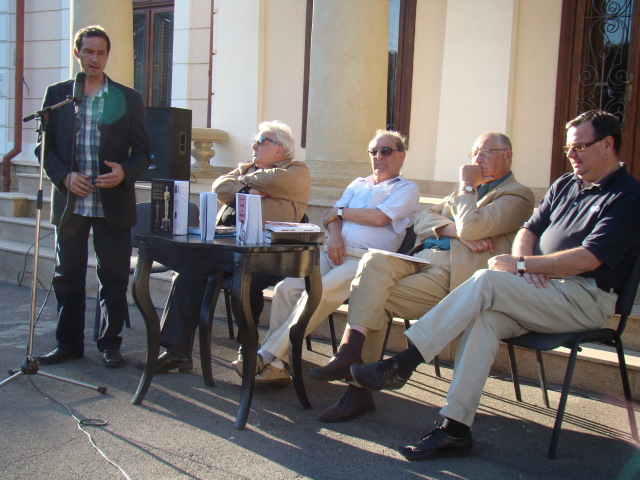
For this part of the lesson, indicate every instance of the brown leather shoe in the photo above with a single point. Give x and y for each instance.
(336, 369)
(353, 403)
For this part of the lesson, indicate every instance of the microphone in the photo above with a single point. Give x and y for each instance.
(78, 87)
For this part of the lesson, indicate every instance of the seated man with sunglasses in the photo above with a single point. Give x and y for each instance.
(373, 212)
(457, 236)
(566, 263)
(284, 185)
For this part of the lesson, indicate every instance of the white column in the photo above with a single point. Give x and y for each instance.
(116, 16)
(476, 78)
(347, 87)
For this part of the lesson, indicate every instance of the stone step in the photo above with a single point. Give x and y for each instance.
(16, 204)
(22, 229)
(28, 182)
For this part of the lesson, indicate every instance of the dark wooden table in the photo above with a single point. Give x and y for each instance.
(190, 254)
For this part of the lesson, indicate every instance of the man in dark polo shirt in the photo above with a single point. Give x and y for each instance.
(565, 262)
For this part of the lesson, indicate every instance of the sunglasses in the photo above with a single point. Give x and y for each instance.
(385, 151)
(261, 140)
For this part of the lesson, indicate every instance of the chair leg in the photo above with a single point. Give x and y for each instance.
(436, 366)
(514, 372)
(624, 374)
(332, 331)
(557, 427)
(543, 379)
(307, 340)
(386, 338)
(227, 304)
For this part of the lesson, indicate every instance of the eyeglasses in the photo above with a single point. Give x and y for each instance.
(261, 140)
(580, 147)
(385, 151)
(486, 152)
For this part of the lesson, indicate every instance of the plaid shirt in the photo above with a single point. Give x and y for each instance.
(87, 146)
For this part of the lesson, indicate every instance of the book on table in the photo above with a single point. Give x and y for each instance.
(248, 218)
(293, 237)
(169, 206)
(272, 226)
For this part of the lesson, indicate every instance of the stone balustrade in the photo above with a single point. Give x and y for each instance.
(202, 150)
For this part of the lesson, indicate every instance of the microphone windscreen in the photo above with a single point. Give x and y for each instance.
(78, 87)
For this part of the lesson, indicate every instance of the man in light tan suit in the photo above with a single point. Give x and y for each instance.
(457, 237)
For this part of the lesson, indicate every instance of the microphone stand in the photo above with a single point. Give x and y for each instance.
(30, 365)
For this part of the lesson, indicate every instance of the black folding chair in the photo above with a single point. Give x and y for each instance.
(606, 336)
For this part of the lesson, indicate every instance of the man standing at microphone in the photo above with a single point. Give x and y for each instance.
(93, 169)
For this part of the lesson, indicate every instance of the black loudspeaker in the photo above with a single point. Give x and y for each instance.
(170, 139)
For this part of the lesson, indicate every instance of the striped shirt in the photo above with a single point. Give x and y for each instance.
(87, 146)
(396, 198)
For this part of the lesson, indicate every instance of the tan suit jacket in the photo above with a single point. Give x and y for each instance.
(498, 215)
(287, 186)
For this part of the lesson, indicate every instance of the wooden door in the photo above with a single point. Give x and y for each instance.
(599, 68)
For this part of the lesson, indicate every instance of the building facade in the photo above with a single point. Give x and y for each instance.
(522, 67)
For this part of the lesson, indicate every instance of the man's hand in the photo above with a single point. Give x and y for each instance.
(507, 263)
(111, 179)
(335, 249)
(470, 175)
(253, 191)
(78, 184)
(480, 245)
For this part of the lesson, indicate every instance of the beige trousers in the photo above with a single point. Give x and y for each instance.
(290, 298)
(493, 305)
(386, 286)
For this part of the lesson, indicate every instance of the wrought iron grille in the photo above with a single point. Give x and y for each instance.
(605, 75)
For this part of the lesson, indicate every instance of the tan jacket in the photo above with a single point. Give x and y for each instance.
(287, 186)
(499, 215)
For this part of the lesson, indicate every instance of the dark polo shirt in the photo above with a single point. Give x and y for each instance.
(604, 219)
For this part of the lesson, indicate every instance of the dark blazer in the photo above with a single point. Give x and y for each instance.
(123, 139)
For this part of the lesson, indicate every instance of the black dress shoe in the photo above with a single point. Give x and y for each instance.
(167, 362)
(383, 375)
(112, 358)
(354, 402)
(336, 369)
(58, 355)
(437, 444)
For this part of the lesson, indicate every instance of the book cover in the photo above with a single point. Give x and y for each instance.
(169, 206)
(248, 218)
(208, 213)
(290, 227)
(293, 237)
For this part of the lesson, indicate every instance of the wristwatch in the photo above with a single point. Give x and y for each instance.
(339, 213)
(469, 189)
(520, 266)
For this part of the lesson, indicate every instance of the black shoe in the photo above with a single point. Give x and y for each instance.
(58, 355)
(437, 444)
(167, 362)
(112, 358)
(383, 375)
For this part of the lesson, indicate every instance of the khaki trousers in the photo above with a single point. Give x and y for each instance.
(386, 286)
(493, 305)
(290, 298)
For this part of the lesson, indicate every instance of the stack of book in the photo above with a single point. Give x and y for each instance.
(290, 232)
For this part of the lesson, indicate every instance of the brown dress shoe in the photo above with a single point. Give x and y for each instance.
(353, 403)
(336, 369)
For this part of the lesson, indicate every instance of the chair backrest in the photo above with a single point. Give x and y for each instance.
(143, 224)
(408, 242)
(627, 294)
